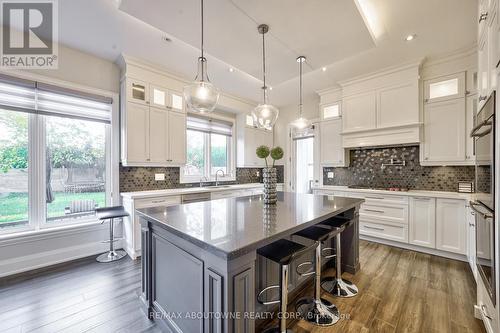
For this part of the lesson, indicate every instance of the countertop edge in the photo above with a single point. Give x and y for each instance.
(411, 193)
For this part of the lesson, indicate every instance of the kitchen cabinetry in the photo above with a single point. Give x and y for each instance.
(153, 124)
(471, 240)
(444, 132)
(470, 115)
(331, 110)
(423, 221)
(451, 226)
(248, 139)
(332, 151)
(360, 112)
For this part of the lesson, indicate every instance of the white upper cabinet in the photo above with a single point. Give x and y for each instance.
(176, 101)
(470, 115)
(444, 132)
(135, 145)
(360, 112)
(398, 105)
(158, 135)
(177, 138)
(332, 153)
(165, 98)
(137, 91)
(331, 111)
(445, 88)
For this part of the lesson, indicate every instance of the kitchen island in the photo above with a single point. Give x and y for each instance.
(201, 272)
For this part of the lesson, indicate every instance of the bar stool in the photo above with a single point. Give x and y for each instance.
(282, 252)
(336, 285)
(317, 310)
(110, 213)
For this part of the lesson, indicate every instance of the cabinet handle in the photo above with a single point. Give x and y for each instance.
(471, 224)
(483, 309)
(157, 201)
(375, 211)
(375, 198)
(483, 17)
(482, 98)
(374, 228)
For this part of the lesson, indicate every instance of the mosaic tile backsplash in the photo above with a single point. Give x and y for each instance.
(365, 169)
(143, 178)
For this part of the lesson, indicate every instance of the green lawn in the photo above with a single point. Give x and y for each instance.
(14, 207)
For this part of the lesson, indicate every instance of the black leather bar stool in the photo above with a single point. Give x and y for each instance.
(282, 252)
(336, 285)
(110, 213)
(317, 310)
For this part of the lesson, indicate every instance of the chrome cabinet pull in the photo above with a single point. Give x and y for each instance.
(375, 211)
(485, 216)
(483, 17)
(374, 228)
(158, 201)
(375, 198)
(483, 309)
(482, 98)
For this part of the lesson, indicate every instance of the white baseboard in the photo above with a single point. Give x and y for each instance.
(416, 248)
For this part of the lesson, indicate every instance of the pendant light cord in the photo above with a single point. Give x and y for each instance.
(300, 89)
(264, 67)
(202, 53)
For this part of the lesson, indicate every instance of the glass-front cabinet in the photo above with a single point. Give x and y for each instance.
(445, 88)
(331, 111)
(137, 91)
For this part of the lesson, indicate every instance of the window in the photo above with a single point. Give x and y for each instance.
(55, 155)
(209, 149)
(443, 88)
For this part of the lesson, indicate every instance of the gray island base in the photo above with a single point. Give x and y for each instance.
(200, 269)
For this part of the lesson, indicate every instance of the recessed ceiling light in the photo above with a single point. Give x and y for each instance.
(411, 37)
(323, 69)
(231, 69)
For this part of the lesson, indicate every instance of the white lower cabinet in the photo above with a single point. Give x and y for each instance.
(423, 222)
(450, 226)
(471, 240)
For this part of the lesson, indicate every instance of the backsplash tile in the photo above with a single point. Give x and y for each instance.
(365, 169)
(143, 178)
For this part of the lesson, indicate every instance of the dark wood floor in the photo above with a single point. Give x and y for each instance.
(401, 291)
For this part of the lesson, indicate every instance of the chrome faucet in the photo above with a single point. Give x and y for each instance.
(217, 176)
(201, 180)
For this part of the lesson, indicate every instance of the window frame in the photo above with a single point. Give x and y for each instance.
(207, 176)
(37, 210)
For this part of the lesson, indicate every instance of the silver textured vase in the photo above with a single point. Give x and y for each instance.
(269, 177)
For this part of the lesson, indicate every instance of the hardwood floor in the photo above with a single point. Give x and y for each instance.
(400, 291)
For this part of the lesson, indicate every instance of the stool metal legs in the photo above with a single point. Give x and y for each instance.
(336, 285)
(284, 277)
(111, 255)
(317, 310)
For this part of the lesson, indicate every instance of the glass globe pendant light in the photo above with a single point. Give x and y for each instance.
(201, 95)
(301, 122)
(264, 115)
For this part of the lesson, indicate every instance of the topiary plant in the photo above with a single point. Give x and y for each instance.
(263, 152)
(277, 154)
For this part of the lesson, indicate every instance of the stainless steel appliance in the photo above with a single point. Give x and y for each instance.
(484, 205)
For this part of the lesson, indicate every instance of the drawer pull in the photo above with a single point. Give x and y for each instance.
(375, 211)
(374, 228)
(375, 198)
(483, 17)
(158, 201)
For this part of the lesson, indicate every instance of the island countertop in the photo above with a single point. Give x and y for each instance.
(232, 227)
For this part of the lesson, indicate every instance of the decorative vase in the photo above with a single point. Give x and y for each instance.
(269, 177)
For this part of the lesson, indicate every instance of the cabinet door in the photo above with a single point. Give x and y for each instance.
(493, 26)
(176, 101)
(444, 131)
(177, 138)
(331, 111)
(137, 91)
(359, 112)
(158, 135)
(332, 152)
(444, 88)
(451, 226)
(471, 240)
(471, 111)
(423, 222)
(398, 105)
(158, 96)
(137, 129)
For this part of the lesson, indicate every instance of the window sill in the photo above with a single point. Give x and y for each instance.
(50, 232)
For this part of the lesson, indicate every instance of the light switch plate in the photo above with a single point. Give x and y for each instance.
(159, 176)
(329, 175)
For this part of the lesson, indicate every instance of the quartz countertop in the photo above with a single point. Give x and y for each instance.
(186, 190)
(234, 226)
(413, 193)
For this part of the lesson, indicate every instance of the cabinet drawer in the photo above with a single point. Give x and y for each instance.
(158, 201)
(225, 194)
(383, 198)
(395, 232)
(393, 213)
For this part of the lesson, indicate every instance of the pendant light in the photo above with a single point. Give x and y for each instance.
(264, 115)
(301, 122)
(201, 95)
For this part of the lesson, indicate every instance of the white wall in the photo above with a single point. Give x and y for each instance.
(287, 115)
